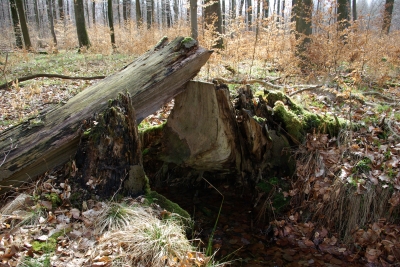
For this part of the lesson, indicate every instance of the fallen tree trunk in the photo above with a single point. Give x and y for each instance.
(153, 79)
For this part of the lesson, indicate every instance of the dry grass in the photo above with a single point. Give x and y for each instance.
(142, 239)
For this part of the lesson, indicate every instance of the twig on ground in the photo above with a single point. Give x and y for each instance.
(12, 147)
(381, 96)
(46, 75)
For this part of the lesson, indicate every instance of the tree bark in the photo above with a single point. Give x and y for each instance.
(109, 157)
(387, 17)
(51, 20)
(94, 12)
(83, 37)
(213, 17)
(111, 23)
(343, 14)
(61, 9)
(153, 79)
(138, 13)
(15, 20)
(24, 26)
(193, 19)
(149, 9)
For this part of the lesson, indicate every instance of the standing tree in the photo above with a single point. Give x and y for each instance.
(265, 8)
(37, 20)
(213, 18)
(94, 12)
(24, 26)
(15, 20)
(111, 22)
(51, 20)
(249, 14)
(83, 37)
(355, 10)
(233, 9)
(302, 15)
(125, 8)
(343, 14)
(138, 13)
(193, 19)
(149, 9)
(61, 9)
(387, 16)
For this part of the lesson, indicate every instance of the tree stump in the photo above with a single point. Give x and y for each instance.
(109, 157)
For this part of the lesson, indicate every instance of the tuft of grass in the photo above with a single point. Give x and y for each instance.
(43, 261)
(115, 216)
(148, 241)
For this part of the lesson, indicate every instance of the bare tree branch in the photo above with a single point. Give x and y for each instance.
(46, 75)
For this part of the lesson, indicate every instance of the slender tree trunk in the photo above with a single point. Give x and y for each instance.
(278, 8)
(354, 10)
(168, 13)
(266, 8)
(105, 16)
(87, 12)
(193, 19)
(138, 13)
(111, 22)
(24, 26)
(233, 9)
(241, 7)
(54, 9)
(35, 7)
(51, 20)
(94, 12)
(124, 10)
(83, 37)
(387, 17)
(119, 13)
(15, 20)
(176, 11)
(61, 9)
(149, 9)
(223, 12)
(249, 14)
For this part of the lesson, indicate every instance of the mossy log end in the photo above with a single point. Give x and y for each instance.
(30, 149)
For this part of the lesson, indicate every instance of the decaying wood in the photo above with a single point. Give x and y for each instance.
(153, 79)
(49, 75)
(206, 132)
(109, 157)
(201, 130)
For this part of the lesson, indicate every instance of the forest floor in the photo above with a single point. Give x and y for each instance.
(359, 164)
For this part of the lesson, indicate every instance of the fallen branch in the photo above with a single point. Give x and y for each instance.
(46, 75)
(381, 96)
(268, 84)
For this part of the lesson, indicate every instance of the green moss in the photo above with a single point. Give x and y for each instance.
(188, 42)
(54, 199)
(154, 197)
(259, 119)
(363, 166)
(50, 245)
(291, 121)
